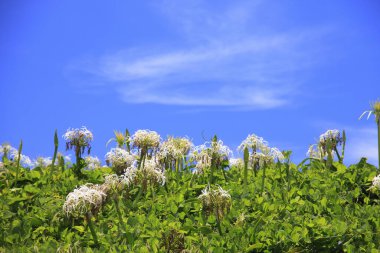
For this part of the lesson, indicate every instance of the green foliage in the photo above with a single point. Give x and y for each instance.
(312, 208)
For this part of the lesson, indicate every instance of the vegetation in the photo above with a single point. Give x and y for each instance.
(173, 197)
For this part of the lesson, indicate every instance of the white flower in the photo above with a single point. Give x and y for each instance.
(119, 159)
(253, 142)
(115, 183)
(203, 154)
(43, 162)
(375, 110)
(87, 198)
(236, 162)
(315, 152)
(175, 148)
(6, 149)
(152, 171)
(129, 174)
(145, 139)
(376, 183)
(277, 154)
(333, 135)
(25, 161)
(261, 159)
(92, 162)
(216, 201)
(78, 138)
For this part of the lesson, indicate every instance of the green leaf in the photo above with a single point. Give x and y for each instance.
(324, 202)
(79, 228)
(205, 230)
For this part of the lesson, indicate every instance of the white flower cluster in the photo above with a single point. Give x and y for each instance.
(82, 134)
(92, 162)
(260, 152)
(216, 201)
(85, 199)
(315, 151)
(6, 149)
(114, 183)
(119, 159)
(236, 162)
(320, 150)
(25, 161)
(146, 139)
(330, 135)
(152, 171)
(253, 142)
(43, 162)
(130, 174)
(376, 183)
(203, 154)
(78, 138)
(174, 148)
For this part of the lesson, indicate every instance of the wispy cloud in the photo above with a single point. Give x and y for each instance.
(227, 64)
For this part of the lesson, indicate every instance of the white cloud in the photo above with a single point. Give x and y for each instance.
(228, 64)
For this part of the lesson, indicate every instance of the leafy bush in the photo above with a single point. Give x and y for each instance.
(309, 208)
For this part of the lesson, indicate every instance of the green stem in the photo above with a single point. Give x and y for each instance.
(378, 140)
(18, 160)
(117, 207)
(263, 179)
(138, 196)
(288, 175)
(92, 228)
(55, 153)
(337, 154)
(246, 160)
(218, 224)
(224, 175)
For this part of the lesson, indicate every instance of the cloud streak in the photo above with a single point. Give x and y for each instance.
(228, 65)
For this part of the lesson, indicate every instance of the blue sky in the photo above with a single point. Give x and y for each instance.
(284, 70)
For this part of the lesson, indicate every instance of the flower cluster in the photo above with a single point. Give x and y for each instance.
(85, 199)
(25, 161)
(260, 152)
(216, 201)
(92, 162)
(114, 184)
(253, 142)
(332, 136)
(376, 183)
(119, 159)
(145, 140)
(174, 148)
(210, 152)
(327, 143)
(6, 149)
(236, 162)
(43, 162)
(79, 139)
(152, 171)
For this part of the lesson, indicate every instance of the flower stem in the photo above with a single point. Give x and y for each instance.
(246, 160)
(117, 207)
(262, 183)
(18, 160)
(55, 154)
(378, 140)
(92, 229)
(218, 224)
